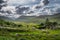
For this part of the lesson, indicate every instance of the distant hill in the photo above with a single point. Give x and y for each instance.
(56, 16)
(50, 16)
(5, 18)
(41, 18)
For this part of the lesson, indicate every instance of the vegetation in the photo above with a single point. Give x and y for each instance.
(47, 30)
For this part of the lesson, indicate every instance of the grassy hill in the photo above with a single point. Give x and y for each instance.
(26, 31)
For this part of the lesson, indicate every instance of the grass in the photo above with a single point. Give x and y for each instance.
(6, 38)
(33, 35)
(29, 32)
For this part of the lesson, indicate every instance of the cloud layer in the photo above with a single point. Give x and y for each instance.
(17, 8)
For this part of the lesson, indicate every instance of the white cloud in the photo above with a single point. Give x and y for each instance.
(9, 8)
(20, 2)
(33, 0)
(10, 12)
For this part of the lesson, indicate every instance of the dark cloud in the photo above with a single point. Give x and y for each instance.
(37, 7)
(2, 3)
(30, 12)
(45, 2)
(20, 10)
(41, 4)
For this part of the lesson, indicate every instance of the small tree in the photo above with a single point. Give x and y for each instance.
(47, 21)
(41, 26)
(54, 25)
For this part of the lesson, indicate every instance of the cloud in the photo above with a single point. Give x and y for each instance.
(22, 2)
(22, 9)
(47, 8)
(10, 12)
(44, 2)
(12, 16)
(2, 3)
(39, 7)
(9, 8)
(33, 0)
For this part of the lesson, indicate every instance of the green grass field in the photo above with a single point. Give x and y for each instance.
(16, 30)
(33, 35)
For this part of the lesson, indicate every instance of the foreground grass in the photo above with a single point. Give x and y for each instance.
(26, 31)
(31, 35)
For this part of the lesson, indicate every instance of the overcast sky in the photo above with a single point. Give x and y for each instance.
(23, 2)
(35, 8)
(29, 2)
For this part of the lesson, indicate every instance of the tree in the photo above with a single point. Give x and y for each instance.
(54, 25)
(42, 26)
(19, 25)
(47, 21)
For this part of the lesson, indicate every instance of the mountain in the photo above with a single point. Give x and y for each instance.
(4, 18)
(57, 16)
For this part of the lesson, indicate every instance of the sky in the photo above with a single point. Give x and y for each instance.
(23, 2)
(29, 2)
(30, 8)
